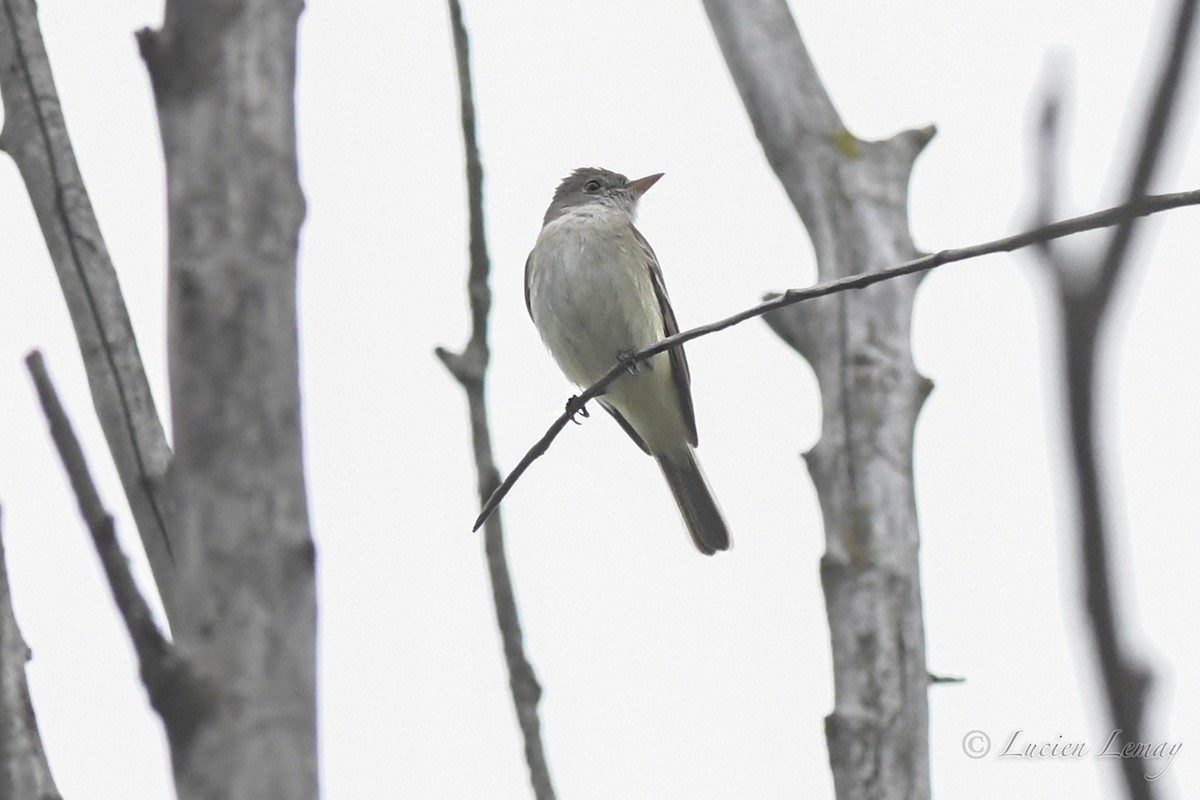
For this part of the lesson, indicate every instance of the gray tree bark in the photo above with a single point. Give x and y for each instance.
(851, 195)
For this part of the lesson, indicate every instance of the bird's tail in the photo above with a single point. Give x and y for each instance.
(696, 502)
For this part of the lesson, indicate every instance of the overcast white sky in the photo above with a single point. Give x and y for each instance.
(666, 674)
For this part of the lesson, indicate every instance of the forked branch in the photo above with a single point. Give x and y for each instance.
(1085, 293)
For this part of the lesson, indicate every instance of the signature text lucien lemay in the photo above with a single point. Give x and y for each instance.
(1020, 746)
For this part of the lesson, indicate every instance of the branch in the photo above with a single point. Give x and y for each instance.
(147, 638)
(1085, 296)
(174, 693)
(24, 770)
(1046, 151)
(470, 369)
(35, 135)
(1157, 120)
(1100, 219)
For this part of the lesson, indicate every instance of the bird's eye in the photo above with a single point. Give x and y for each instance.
(592, 186)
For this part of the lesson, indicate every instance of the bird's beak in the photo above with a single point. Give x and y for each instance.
(640, 186)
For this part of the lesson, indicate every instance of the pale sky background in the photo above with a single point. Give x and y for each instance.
(666, 674)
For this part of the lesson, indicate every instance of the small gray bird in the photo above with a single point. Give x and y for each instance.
(595, 292)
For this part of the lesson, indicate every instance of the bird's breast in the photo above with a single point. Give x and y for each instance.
(590, 293)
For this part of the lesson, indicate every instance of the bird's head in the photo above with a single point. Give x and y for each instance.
(594, 186)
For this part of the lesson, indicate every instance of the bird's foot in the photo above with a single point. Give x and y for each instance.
(629, 360)
(576, 407)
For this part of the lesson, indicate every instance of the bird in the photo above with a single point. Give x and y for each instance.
(595, 292)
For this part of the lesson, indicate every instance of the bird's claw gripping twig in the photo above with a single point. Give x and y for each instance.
(629, 360)
(576, 407)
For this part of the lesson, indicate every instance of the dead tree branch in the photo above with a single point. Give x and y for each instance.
(35, 135)
(179, 698)
(1085, 293)
(24, 770)
(470, 369)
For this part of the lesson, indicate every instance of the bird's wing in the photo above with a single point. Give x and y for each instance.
(679, 366)
(625, 426)
(528, 263)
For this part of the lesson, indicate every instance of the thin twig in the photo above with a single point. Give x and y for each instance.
(165, 674)
(147, 638)
(470, 369)
(1085, 297)
(935, 678)
(1056, 230)
(69, 449)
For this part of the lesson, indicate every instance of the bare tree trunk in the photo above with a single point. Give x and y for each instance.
(851, 196)
(224, 80)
